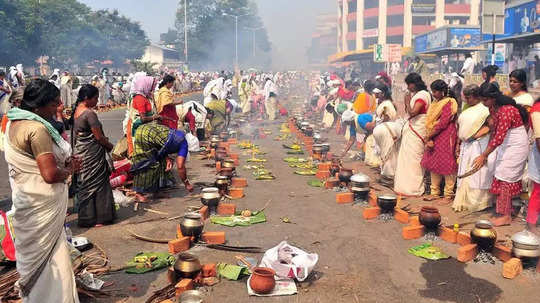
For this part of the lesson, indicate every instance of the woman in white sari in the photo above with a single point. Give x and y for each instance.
(409, 178)
(40, 163)
(473, 191)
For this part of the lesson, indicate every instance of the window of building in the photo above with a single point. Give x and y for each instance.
(395, 2)
(352, 26)
(351, 45)
(394, 39)
(423, 20)
(371, 4)
(352, 6)
(370, 42)
(371, 22)
(424, 2)
(396, 20)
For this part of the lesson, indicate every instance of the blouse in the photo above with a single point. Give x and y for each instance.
(505, 118)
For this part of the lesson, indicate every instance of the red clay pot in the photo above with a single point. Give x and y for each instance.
(262, 280)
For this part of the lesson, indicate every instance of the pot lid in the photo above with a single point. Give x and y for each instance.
(210, 189)
(360, 178)
(387, 197)
(526, 237)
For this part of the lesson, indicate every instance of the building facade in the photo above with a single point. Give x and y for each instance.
(162, 56)
(323, 39)
(363, 23)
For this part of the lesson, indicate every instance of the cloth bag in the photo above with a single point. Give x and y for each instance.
(301, 265)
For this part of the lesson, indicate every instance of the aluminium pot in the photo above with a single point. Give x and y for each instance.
(484, 235)
(187, 266)
(387, 202)
(228, 163)
(192, 225)
(430, 217)
(525, 244)
(210, 197)
(360, 180)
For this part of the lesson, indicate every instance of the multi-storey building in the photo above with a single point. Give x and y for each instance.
(363, 23)
(323, 39)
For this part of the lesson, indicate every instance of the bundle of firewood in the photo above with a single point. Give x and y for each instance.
(93, 261)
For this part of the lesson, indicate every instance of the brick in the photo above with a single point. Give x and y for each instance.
(234, 156)
(512, 268)
(467, 252)
(324, 166)
(179, 245)
(448, 234)
(218, 166)
(183, 285)
(204, 212)
(343, 198)
(226, 209)
(372, 198)
(209, 270)
(331, 183)
(323, 174)
(223, 144)
(463, 238)
(215, 237)
(236, 162)
(414, 221)
(236, 193)
(401, 216)
(239, 182)
(503, 253)
(329, 155)
(371, 213)
(412, 232)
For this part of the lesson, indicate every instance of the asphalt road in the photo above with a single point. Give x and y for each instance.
(359, 261)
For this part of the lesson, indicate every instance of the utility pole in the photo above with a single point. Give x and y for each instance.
(185, 33)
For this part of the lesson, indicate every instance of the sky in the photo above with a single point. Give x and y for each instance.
(290, 23)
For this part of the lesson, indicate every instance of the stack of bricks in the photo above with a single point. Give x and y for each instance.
(323, 172)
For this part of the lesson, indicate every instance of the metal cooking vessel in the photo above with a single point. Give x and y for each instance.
(325, 147)
(345, 175)
(484, 235)
(187, 266)
(525, 244)
(192, 225)
(387, 202)
(360, 180)
(228, 163)
(210, 197)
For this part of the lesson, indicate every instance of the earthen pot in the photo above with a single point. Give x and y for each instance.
(262, 280)
(430, 217)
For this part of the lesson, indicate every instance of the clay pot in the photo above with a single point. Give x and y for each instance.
(484, 235)
(262, 280)
(430, 217)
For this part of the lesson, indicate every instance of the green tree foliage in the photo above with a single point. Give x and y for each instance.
(211, 34)
(67, 31)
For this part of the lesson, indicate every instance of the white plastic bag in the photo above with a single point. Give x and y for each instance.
(300, 266)
(193, 142)
(121, 199)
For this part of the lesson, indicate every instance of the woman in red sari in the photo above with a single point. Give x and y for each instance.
(439, 158)
(510, 138)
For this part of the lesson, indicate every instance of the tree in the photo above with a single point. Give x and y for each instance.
(144, 66)
(211, 34)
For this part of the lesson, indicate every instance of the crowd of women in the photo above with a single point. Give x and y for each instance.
(487, 146)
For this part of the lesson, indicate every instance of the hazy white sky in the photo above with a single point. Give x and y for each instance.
(289, 22)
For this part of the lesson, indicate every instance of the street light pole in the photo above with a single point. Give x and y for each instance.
(235, 36)
(185, 33)
(253, 30)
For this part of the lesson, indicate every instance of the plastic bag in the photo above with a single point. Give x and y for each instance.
(121, 199)
(193, 142)
(299, 263)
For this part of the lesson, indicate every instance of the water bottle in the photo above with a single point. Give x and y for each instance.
(69, 235)
(118, 181)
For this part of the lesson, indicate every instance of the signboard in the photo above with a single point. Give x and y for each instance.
(518, 20)
(500, 54)
(464, 37)
(379, 53)
(370, 33)
(447, 38)
(493, 17)
(393, 52)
